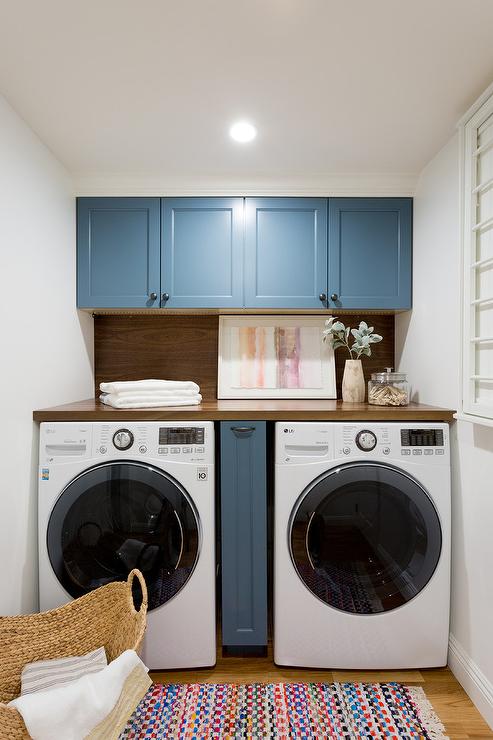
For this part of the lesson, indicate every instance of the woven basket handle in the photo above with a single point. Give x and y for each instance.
(135, 573)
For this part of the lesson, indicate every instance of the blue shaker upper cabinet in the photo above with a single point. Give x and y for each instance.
(118, 252)
(202, 264)
(370, 253)
(285, 252)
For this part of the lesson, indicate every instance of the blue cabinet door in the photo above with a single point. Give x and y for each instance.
(370, 253)
(202, 264)
(118, 252)
(243, 534)
(285, 252)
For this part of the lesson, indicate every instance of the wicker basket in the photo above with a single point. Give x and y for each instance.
(104, 617)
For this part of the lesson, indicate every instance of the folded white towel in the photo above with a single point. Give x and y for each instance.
(126, 386)
(157, 393)
(156, 401)
(124, 398)
(72, 711)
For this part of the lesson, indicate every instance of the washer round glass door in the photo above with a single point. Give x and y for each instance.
(365, 538)
(123, 515)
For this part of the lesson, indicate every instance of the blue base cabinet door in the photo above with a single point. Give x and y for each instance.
(285, 252)
(370, 253)
(118, 252)
(202, 261)
(244, 534)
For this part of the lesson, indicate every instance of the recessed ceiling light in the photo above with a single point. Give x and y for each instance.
(243, 132)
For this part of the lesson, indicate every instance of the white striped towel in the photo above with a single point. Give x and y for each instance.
(74, 710)
(45, 674)
(127, 386)
(117, 401)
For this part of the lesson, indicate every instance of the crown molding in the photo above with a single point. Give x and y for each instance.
(334, 185)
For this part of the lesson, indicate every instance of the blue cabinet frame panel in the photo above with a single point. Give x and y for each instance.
(202, 263)
(285, 252)
(244, 534)
(118, 252)
(370, 252)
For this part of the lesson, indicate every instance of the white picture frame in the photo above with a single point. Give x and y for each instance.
(274, 357)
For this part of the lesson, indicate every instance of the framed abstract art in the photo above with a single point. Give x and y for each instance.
(274, 357)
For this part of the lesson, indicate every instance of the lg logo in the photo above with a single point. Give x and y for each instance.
(202, 474)
(288, 431)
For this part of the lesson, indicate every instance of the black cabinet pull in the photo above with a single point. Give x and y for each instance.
(243, 430)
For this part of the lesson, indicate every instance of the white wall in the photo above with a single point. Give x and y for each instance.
(427, 349)
(45, 345)
(427, 346)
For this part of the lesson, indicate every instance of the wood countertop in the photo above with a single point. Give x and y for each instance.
(269, 410)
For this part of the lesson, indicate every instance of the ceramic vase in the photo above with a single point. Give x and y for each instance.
(353, 382)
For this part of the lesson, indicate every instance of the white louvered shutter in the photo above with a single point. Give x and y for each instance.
(478, 264)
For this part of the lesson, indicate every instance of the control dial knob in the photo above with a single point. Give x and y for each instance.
(123, 439)
(366, 440)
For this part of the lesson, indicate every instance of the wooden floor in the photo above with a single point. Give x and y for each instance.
(459, 715)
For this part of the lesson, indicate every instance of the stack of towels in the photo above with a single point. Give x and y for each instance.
(147, 394)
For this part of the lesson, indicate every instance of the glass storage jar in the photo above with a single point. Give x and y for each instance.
(388, 389)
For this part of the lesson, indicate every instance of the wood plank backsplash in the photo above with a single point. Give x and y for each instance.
(184, 347)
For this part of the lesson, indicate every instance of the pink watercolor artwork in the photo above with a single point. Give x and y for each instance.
(284, 357)
(274, 357)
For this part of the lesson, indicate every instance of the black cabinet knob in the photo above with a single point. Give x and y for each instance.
(334, 297)
(322, 297)
(152, 296)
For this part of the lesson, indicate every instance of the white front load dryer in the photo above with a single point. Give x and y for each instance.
(362, 545)
(128, 494)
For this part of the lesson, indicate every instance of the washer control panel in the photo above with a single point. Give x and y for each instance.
(64, 442)
(193, 442)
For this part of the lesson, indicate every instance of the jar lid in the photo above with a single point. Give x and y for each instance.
(389, 377)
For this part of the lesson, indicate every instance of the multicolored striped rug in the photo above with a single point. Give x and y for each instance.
(293, 710)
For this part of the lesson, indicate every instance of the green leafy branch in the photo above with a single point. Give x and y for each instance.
(340, 336)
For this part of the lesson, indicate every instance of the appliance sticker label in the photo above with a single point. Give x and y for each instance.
(45, 474)
(202, 474)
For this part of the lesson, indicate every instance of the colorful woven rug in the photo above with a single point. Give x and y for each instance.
(294, 710)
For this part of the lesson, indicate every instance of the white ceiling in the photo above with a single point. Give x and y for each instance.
(143, 91)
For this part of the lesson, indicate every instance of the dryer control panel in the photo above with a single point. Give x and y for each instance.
(305, 442)
(395, 441)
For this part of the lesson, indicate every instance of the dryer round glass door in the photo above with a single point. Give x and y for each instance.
(365, 538)
(123, 515)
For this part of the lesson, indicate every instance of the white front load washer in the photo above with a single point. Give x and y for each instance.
(128, 494)
(362, 545)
